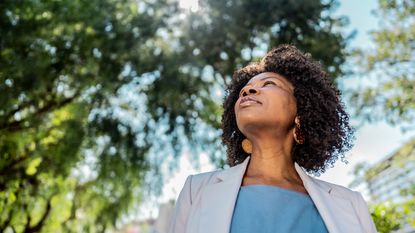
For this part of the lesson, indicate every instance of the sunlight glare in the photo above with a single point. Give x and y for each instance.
(192, 5)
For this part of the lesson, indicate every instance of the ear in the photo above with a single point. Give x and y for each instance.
(297, 121)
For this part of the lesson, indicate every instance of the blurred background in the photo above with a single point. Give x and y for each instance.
(106, 106)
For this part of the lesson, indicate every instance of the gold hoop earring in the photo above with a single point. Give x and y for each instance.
(247, 146)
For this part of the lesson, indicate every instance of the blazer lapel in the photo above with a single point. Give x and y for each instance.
(219, 198)
(338, 213)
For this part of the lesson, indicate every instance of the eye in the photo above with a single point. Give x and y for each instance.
(266, 83)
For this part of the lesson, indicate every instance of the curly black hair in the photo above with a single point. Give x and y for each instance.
(324, 121)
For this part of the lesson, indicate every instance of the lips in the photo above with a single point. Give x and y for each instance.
(248, 99)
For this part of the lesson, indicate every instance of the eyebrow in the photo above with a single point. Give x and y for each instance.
(269, 77)
(273, 77)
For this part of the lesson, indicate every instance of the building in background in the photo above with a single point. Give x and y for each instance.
(387, 178)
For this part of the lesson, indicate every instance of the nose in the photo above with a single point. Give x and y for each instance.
(249, 91)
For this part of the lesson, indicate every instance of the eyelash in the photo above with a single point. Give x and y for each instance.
(268, 82)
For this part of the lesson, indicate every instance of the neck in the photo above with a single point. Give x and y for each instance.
(271, 160)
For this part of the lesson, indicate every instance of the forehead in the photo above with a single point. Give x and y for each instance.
(270, 75)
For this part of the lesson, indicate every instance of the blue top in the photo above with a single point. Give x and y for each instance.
(270, 209)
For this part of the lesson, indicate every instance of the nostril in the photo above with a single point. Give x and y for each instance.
(247, 91)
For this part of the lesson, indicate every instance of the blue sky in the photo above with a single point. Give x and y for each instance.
(361, 19)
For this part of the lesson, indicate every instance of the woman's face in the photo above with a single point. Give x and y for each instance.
(266, 102)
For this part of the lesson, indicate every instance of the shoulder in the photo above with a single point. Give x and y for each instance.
(211, 177)
(336, 190)
(354, 197)
(195, 182)
(201, 179)
(188, 195)
(332, 189)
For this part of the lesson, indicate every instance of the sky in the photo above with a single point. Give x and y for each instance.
(374, 142)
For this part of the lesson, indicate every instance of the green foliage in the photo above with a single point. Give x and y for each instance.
(408, 206)
(59, 61)
(387, 217)
(96, 94)
(231, 33)
(390, 95)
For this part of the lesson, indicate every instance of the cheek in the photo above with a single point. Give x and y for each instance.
(282, 107)
(235, 108)
(236, 111)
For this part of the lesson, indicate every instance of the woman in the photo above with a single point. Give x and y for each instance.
(282, 118)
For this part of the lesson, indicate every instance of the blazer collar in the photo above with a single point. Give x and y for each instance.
(219, 198)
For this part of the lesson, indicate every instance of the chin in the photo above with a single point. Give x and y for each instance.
(249, 122)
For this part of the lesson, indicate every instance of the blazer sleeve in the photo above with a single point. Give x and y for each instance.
(364, 214)
(182, 208)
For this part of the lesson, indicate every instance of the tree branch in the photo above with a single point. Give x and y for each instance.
(17, 125)
(36, 228)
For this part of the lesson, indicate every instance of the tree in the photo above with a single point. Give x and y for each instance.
(95, 94)
(390, 65)
(61, 62)
(387, 217)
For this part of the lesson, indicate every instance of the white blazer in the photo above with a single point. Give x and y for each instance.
(207, 200)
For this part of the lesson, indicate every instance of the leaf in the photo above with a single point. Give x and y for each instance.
(32, 167)
(12, 197)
